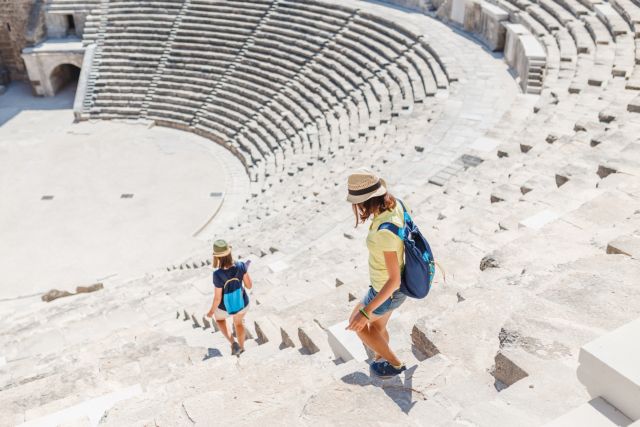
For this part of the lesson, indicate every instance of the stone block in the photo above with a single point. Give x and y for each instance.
(539, 220)
(491, 28)
(609, 368)
(595, 413)
(345, 344)
(634, 105)
(89, 289)
(54, 294)
(457, 11)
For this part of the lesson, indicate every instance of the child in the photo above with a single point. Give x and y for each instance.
(230, 297)
(370, 199)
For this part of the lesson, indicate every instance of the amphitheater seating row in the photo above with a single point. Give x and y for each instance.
(71, 6)
(260, 77)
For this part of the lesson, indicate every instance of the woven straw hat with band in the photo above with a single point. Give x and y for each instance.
(221, 248)
(363, 185)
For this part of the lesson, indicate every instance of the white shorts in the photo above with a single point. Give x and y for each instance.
(223, 315)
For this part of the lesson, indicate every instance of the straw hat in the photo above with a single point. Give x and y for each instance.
(363, 185)
(221, 248)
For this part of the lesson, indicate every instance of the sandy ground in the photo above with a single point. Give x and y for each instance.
(88, 231)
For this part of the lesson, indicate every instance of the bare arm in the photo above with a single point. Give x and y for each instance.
(248, 283)
(393, 282)
(217, 298)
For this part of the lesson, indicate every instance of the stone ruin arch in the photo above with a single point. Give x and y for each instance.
(51, 70)
(62, 75)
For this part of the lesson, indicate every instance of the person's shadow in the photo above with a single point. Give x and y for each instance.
(397, 390)
(211, 353)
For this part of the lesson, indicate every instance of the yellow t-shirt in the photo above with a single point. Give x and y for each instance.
(379, 242)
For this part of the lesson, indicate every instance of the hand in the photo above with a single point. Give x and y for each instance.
(357, 323)
(210, 313)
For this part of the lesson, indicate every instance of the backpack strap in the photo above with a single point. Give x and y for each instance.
(398, 231)
(229, 281)
(408, 222)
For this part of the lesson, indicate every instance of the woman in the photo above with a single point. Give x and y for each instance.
(230, 297)
(370, 199)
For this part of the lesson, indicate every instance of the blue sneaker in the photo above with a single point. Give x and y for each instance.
(386, 370)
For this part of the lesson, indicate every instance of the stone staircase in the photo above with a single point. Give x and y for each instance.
(529, 201)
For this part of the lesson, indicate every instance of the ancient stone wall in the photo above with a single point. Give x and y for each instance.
(21, 25)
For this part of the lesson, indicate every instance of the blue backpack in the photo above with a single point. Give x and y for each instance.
(419, 265)
(233, 294)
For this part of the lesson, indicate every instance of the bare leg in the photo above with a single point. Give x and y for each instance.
(376, 337)
(238, 322)
(222, 325)
(380, 324)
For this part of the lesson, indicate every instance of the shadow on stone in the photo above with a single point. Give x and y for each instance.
(211, 353)
(401, 392)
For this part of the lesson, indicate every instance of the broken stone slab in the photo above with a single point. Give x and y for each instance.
(54, 294)
(89, 289)
(506, 371)
(422, 338)
(488, 261)
(625, 245)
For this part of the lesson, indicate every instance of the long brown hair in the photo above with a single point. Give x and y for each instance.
(223, 262)
(373, 206)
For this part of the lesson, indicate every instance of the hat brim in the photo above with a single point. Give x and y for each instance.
(354, 200)
(221, 254)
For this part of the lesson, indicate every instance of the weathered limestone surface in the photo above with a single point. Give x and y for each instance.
(48, 64)
(493, 346)
(15, 22)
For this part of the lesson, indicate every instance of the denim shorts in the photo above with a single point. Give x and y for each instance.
(395, 300)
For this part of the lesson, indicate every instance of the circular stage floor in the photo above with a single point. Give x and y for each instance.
(84, 202)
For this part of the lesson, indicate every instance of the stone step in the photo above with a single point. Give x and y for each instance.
(608, 368)
(595, 413)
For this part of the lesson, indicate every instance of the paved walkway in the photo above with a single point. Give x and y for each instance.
(66, 219)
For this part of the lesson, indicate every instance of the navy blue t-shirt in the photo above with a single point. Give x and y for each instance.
(221, 276)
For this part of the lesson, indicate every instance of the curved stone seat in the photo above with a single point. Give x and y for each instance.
(271, 84)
